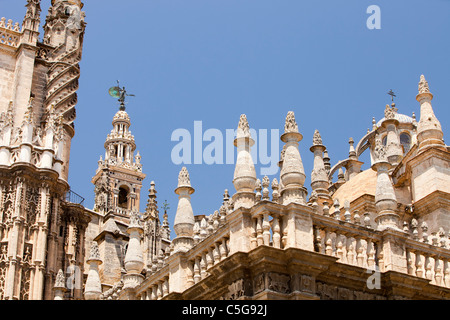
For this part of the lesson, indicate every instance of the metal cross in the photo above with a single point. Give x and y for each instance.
(165, 206)
(392, 94)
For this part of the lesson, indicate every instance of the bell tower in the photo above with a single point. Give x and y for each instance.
(118, 179)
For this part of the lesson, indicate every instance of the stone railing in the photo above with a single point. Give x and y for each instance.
(268, 229)
(9, 34)
(210, 247)
(205, 255)
(429, 257)
(351, 243)
(156, 286)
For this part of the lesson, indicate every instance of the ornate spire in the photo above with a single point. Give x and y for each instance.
(29, 115)
(292, 172)
(290, 124)
(184, 217)
(429, 131)
(317, 139)
(152, 204)
(423, 85)
(244, 174)
(184, 179)
(243, 129)
(385, 199)
(32, 18)
(319, 176)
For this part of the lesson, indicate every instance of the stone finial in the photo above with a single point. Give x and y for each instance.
(152, 204)
(226, 197)
(244, 178)
(265, 185)
(292, 173)
(184, 217)
(9, 117)
(379, 151)
(319, 174)
(29, 115)
(317, 139)
(95, 252)
(60, 281)
(390, 112)
(290, 124)
(275, 190)
(351, 152)
(183, 178)
(258, 189)
(135, 220)
(60, 285)
(138, 158)
(423, 85)
(243, 130)
(429, 130)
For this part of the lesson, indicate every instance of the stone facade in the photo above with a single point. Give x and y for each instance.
(377, 234)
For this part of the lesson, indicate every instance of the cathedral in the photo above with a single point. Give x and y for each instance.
(376, 234)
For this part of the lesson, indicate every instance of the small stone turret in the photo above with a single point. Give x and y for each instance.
(292, 172)
(244, 174)
(319, 176)
(184, 218)
(429, 131)
(385, 199)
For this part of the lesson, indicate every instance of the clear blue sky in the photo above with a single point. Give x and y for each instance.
(214, 60)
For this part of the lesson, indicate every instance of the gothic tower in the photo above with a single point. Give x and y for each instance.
(118, 180)
(40, 231)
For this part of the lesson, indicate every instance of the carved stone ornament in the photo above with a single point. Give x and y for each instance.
(379, 151)
(390, 111)
(290, 124)
(278, 282)
(183, 178)
(317, 139)
(423, 85)
(94, 253)
(60, 279)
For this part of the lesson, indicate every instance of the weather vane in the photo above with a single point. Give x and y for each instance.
(392, 94)
(120, 94)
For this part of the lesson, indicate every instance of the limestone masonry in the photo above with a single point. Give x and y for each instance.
(381, 233)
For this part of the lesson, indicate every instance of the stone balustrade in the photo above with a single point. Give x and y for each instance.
(351, 243)
(10, 33)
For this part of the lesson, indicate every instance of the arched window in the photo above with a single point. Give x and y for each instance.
(405, 141)
(123, 197)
